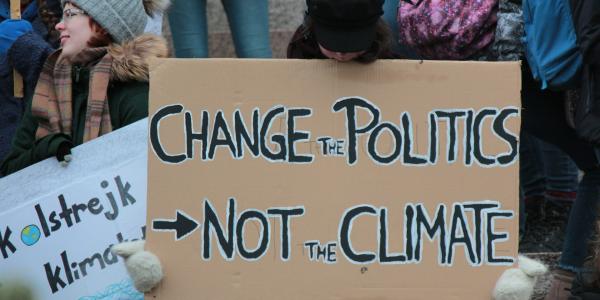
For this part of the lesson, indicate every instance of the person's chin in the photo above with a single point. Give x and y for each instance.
(70, 55)
(343, 59)
(66, 55)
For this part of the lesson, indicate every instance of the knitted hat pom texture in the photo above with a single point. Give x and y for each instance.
(123, 19)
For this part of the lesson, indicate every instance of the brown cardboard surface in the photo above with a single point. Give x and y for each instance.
(329, 187)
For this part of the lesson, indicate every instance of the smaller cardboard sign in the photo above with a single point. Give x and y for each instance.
(58, 241)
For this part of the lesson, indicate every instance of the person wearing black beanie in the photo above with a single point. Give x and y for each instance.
(343, 30)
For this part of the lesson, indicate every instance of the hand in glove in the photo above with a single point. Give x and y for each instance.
(143, 267)
(10, 31)
(63, 153)
(518, 283)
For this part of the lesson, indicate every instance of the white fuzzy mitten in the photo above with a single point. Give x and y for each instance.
(143, 266)
(518, 283)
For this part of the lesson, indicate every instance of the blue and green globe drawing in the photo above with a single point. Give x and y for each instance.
(30, 235)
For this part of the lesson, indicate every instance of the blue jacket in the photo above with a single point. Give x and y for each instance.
(28, 54)
(28, 14)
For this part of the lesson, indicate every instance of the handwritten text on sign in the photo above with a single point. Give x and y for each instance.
(325, 180)
(449, 224)
(235, 136)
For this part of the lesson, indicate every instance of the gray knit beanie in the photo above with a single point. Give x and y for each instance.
(123, 19)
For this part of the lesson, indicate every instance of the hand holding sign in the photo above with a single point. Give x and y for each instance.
(518, 283)
(143, 266)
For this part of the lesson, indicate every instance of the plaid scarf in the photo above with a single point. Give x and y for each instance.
(52, 101)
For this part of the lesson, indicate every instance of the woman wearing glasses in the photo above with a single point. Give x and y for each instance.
(97, 82)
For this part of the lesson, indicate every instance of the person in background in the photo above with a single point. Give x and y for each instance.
(584, 213)
(390, 15)
(548, 183)
(343, 30)
(543, 116)
(24, 45)
(493, 30)
(96, 83)
(248, 20)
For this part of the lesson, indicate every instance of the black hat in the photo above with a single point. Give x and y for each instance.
(345, 25)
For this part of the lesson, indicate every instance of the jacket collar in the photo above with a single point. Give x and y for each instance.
(130, 59)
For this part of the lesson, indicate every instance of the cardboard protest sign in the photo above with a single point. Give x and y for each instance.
(57, 240)
(273, 179)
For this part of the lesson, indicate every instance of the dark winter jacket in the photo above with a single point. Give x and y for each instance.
(587, 23)
(29, 64)
(127, 101)
(508, 41)
(586, 16)
(27, 55)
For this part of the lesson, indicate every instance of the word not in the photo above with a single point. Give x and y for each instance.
(234, 238)
(478, 240)
(68, 271)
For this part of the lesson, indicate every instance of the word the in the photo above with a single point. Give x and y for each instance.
(326, 253)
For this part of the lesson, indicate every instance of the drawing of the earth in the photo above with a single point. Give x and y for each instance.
(30, 235)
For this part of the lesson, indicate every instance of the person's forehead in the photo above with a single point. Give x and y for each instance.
(69, 5)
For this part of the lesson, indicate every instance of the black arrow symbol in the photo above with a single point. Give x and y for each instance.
(183, 225)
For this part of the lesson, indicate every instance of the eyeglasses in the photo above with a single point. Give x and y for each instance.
(68, 14)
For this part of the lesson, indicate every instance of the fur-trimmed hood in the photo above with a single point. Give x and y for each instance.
(130, 59)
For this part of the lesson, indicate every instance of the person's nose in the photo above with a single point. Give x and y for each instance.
(60, 26)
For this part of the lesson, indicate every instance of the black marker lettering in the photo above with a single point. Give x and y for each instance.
(351, 105)
(155, 136)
